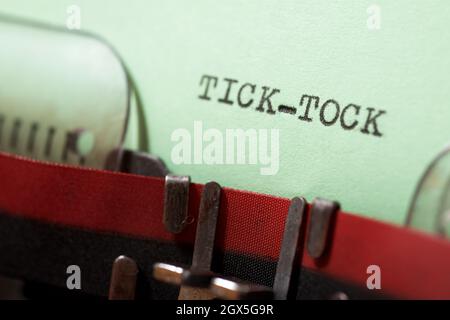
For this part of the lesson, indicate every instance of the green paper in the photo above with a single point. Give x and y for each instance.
(319, 48)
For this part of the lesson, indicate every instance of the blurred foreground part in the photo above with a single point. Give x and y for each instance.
(65, 96)
(430, 206)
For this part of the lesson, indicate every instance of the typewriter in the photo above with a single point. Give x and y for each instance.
(238, 150)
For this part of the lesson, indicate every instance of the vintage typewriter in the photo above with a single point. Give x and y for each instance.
(224, 150)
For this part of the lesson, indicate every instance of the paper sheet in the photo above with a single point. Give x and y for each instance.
(391, 58)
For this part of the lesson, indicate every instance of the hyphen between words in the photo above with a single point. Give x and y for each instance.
(351, 116)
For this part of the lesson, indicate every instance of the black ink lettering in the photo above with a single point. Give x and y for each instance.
(239, 97)
(226, 99)
(287, 109)
(309, 98)
(266, 98)
(207, 79)
(351, 126)
(372, 120)
(322, 112)
(349, 116)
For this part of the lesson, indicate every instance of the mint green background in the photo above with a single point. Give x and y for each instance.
(317, 47)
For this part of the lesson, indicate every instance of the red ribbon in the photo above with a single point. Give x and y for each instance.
(413, 264)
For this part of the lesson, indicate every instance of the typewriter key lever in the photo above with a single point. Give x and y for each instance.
(233, 289)
(229, 289)
(321, 221)
(176, 203)
(290, 249)
(182, 276)
(196, 280)
(123, 279)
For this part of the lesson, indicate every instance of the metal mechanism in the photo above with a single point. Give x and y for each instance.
(195, 281)
(198, 282)
(204, 241)
(179, 275)
(123, 279)
(321, 218)
(430, 205)
(290, 248)
(339, 296)
(176, 203)
(168, 273)
(228, 289)
(143, 164)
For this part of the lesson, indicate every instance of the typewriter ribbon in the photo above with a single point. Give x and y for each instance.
(60, 203)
